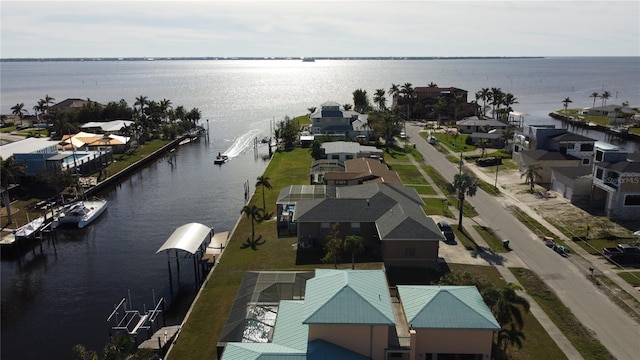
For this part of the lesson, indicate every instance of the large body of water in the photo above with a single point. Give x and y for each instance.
(54, 300)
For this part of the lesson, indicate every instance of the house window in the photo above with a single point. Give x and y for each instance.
(586, 147)
(410, 252)
(599, 155)
(570, 146)
(325, 226)
(599, 173)
(586, 161)
(341, 182)
(516, 148)
(355, 228)
(632, 200)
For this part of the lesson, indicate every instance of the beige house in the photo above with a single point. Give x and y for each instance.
(351, 315)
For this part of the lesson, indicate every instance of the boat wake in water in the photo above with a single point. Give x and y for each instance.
(242, 143)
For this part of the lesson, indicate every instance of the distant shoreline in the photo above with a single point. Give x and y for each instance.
(272, 58)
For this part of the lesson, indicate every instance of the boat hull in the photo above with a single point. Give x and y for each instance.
(80, 214)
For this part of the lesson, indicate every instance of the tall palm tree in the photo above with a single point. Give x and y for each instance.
(408, 94)
(465, 185)
(507, 135)
(533, 171)
(432, 85)
(594, 95)
(254, 213)
(496, 99)
(605, 96)
(394, 91)
(347, 107)
(263, 181)
(9, 172)
(141, 102)
(507, 101)
(485, 95)
(566, 103)
(18, 109)
(379, 99)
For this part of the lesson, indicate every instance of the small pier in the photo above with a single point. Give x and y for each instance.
(161, 339)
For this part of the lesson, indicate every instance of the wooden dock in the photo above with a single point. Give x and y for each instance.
(161, 338)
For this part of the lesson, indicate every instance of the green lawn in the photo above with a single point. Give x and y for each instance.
(436, 206)
(454, 143)
(424, 189)
(494, 242)
(581, 337)
(409, 174)
(632, 277)
(438, 179)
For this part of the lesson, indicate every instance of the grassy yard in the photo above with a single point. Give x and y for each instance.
(632, 277)
(437, 206)
(580, 336)
(424, 189)
(438, 179)
(409, 174)
(454, 143)
(122, 161)
(494, 242)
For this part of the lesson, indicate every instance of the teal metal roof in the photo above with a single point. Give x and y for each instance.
(260, 351)
(289, 330)
(348, 297)
(446, 307)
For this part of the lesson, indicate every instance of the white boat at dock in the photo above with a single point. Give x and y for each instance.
(30, 229)
(81, 213)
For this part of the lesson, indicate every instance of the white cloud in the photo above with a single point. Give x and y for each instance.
(319, 28)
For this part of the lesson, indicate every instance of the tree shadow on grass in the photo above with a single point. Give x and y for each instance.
(252, 243)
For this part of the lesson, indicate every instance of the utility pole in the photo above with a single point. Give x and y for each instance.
(497, 165)
(460, 171)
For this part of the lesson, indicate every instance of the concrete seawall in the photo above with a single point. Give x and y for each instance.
(124, 173)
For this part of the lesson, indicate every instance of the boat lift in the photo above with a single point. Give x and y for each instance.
(132, 321)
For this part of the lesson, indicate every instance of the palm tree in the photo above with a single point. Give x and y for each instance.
(507, 101)
(464, 184)
(483, 145)
(40, 108)
(346, 107)
(254, 213)
(440, 107)
(496, 99)
(353, 244)
(264, 182)
(48, 100)
(9, 172)
(141, 102)
(379, 99)
(511, 336)
(605, 95)
(394, 91)
(408, 93)
(566, 103)
(485, 94)
(18, 110)
(432, 85)
(531, 173)
(311, 110)
(507, 134)
(594, 95)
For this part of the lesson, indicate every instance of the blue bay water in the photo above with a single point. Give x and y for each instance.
(54, 300)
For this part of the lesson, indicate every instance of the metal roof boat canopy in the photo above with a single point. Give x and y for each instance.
(192, 238)
(188, 238)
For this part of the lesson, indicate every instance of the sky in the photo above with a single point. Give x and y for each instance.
(111, 29)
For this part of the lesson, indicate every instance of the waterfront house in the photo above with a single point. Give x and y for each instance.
(616, 183)
(116, 127)
(388, 217)
(474, 124)
(361, 171)
(70, 104)
(352, 314)
(32, 152)
(331, 119)
(617, 114)
(343, 150)
(550, 147)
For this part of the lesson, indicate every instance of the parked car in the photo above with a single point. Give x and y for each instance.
(447, 231)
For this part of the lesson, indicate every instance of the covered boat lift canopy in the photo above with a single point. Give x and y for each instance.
(191, 238)
(188, 237)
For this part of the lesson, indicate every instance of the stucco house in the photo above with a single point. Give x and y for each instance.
(32, 152)
(474, 124)
(351, 315)
(331, 119)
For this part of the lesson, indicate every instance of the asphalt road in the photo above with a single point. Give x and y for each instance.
(613, 327)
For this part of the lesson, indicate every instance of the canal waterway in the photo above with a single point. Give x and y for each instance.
(62, 296)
